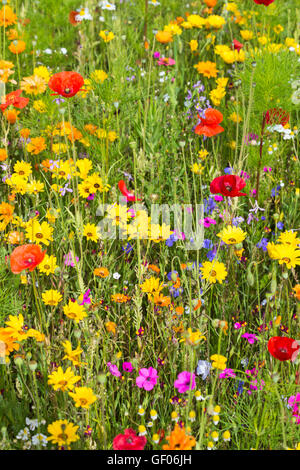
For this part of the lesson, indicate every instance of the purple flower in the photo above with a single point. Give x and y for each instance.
(226, 373)
(250, 337)
(113, 369)
(147, 378)
(185, 381)
(127, 367)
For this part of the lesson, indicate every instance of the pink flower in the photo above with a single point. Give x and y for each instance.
(218, 198)
(127, 367)
(237, 325)
(147, 378)
(113, 369)
(227, 373)
(207, 222)
(166, 61)
(69, 260)
(185, 381)
(250, 337)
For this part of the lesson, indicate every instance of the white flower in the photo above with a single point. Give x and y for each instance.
(48, 51)
(39, 439)
(32, 423)
(107, 6)
(24, 434)
(84, 14)
(63, 50)
(116, 276)
(154, 2)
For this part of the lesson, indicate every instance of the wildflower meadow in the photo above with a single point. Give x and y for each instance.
(149, 225)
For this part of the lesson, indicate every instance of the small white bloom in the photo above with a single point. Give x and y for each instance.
(38, 439)
(24, 434)
(116, 276)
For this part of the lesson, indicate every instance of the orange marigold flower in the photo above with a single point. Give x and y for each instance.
(11, 115)
(161, 300)
(36, 145)
(164, 37)
(6, 212)
(7, 16)
(101, 272)
(16, 47)
(154, 268)
(3, 155)
(297, 291)
(179, 440)
(120, 298)
(111, 327)
(25, 133)
(207, 69)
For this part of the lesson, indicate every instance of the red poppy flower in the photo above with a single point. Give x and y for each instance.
(14, 99)
(264, 2)
(123, 188)
(277, 116)
(72, 16)
(237, 45)
(282, 348)
(66, 84)
(228, 185)
(129, 441)
(26, 257)
(209, 125)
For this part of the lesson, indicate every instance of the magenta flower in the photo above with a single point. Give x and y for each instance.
(226, 373)
(237, 325)
(147, 378)
(86, 299)
(250, 337)
(127, 367)
(185, 381)
(113, 369)
(207, 222)
(69, 260)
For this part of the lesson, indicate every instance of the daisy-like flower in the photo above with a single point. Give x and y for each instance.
(99, 76)
(213, 271)
(83, 396)
(33, 85)
(107, 36)
(75, 311)
(62, 432)
(91, 232)
(39, 440)
(72, 355)
(63, 381)
(232, 235)
(151, 286)
(207, 69)
(289, 238)
(51, 297)
(39, 233)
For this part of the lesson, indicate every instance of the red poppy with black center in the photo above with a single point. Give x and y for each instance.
(129, 441)
(66, 84)
(228, 185)
(14, 99)
(283, 349)
(264, 2)
(123, 188)
(209, 125)
(26, 257)
(277, 116)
